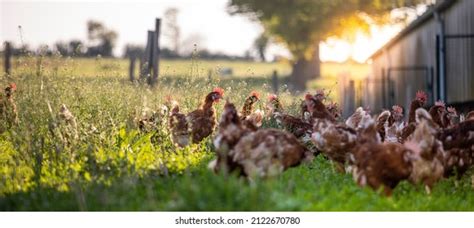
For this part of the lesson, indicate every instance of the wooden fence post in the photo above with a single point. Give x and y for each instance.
(359, 95)
(150, 58)
(39, 65)
(350, 96)
(275, 82)
(156, 51)
(347, 94)
(132, 68)
(342, 92)
(145, 67)
(141, 69)
(8, 55)
(366, 93)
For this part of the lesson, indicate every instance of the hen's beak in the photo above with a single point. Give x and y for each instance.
(217, 97)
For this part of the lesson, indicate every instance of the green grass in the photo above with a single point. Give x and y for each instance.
(112, 166)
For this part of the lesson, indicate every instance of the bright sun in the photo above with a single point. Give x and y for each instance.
(363, 46)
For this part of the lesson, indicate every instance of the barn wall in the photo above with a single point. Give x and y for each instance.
(418, 48)
(460, 52)
(414, 50)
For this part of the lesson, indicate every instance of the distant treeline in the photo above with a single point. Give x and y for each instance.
(73, 48)
(101, 41)
(167, 53)
(76, 48)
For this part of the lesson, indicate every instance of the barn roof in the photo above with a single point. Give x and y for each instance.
(429, 14)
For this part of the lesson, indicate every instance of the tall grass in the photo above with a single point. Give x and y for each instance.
(111, 165)
(36, 154)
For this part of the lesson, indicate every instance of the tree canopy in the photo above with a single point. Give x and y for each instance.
(301, 24)
(103, 38)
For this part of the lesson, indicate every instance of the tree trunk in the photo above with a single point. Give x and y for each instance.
(305, 70)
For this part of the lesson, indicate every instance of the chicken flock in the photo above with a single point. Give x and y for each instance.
(379, 151)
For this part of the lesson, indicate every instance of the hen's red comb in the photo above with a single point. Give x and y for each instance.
(440, 103)
(12, 86)
(255, 94)
(272, 97)
(420, 95)
(397, 109)
(308, 96)
(219, 90)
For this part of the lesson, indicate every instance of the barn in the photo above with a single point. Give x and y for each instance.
(435, 53)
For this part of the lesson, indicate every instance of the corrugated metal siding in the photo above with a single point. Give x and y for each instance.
(418, 48)
(460, 53)
(411, 51)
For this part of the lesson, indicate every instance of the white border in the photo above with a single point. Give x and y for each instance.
(167, 219)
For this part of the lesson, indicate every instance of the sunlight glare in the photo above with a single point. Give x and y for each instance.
(363, 46)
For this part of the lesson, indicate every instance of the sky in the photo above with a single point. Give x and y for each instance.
(206, 22)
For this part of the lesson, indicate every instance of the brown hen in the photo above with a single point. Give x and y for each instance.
(379, 164)
(458, 142)
(334, 140)
(8, 110)
(261, 153)
(297, 126)
(428, 153)
(196, 125)
(415, 104)
(438, 113)
(317, 109)
(251, 118)
(230, 131)
(389, 124)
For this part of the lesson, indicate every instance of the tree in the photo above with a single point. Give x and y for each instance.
(23, 50)
(62, 48)
(71, 48)
(44, 50)
(261, 44)
(102, 39)
(76, 48)
(108, 43)
(133, 51)
(172, 30)
(191, 44)
(167, 53)
(302, 24)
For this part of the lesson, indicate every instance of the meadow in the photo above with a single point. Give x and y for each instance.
(111, 165)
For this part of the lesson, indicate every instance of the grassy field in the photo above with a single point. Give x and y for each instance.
(112, 166)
